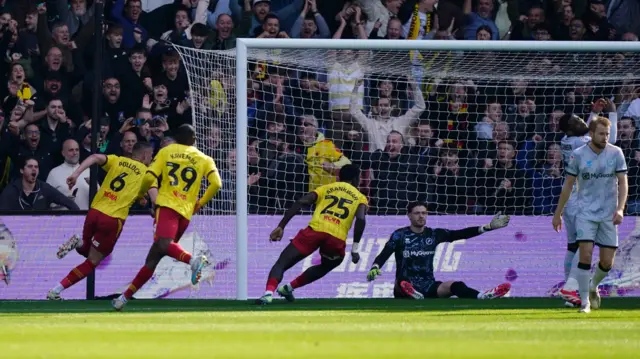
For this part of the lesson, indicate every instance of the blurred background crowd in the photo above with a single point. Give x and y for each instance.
(464, 143)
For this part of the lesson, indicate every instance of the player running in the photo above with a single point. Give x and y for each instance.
(414, 248)
(601, 173)
(109, 209)
(179, 169)
(577, 135)
(336, 206)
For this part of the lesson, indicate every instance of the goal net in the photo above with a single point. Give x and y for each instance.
(469, 132)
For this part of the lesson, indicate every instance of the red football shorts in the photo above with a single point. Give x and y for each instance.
(169, 224)
(308, 240)
(103, 231)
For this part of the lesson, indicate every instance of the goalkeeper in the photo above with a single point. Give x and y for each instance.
(415, 247)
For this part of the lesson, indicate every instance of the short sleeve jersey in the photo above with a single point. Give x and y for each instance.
(121, 186)
(336, 207)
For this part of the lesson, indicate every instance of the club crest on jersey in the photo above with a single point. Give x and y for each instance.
(430, 241)
(610, 162)
(589, 163)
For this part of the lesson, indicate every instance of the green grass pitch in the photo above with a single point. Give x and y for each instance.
(333, 328)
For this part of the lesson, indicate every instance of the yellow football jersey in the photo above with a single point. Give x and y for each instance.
(336, 207)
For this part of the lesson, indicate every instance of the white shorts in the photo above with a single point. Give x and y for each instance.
(570, 227)
(603, 233)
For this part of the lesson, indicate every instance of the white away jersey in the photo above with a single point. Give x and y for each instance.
(597, 193)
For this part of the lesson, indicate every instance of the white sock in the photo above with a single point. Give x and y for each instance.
(598, 276)
(583, 276)
(268, 292)
(122, 298)
(58, 288)
(480, 296)
(568, 263)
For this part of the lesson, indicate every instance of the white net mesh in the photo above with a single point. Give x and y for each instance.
(470, 133)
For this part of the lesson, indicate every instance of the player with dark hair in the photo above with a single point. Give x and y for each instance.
(577, 135)
(109, 210)
(336, 206)
(414, 248)
(179, 169)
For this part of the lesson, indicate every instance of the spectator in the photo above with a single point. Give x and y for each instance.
(262, 8)
(74, 15)
(380, 14)
(129, 139)
(133, 32)
(396, 176)
(393, 31)
(426, 144)
(450, 184)
(483, 17)
(322, 157)
(547, 179)
(28, 193)
(525, 29)
(627, 137)
(58, 176)
(492, 115)
(423, 20)
(311, 25)
(32, 147)
(379, 127)
(500, 185)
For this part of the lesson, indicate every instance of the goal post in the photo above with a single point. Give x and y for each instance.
(535, 63)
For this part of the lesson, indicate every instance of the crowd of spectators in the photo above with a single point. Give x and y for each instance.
(464, 145)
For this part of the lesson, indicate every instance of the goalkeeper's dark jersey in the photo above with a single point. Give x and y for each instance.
(414, 252)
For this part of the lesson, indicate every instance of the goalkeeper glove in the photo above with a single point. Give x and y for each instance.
(373, 272)
(499, 221)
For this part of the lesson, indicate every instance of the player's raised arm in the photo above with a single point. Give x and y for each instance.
(94, 159)
(306, 200)
(358, 231)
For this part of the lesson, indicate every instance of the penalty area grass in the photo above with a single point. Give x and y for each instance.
(331, 328)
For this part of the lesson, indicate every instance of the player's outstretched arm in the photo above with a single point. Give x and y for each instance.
(306, 200)
(95, 159)
(497, 222)
(387, 251)
(358, 231)
(564, 197)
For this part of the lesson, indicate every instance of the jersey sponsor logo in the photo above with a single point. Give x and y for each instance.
(407, 254)
(180, 195)
(589, 175)
(331, 219)
(110, 195)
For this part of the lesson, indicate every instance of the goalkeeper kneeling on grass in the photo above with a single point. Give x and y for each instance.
(415, 247)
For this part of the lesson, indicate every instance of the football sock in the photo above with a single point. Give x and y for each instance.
(583, 276)
(175, 251)
(141, 278)
(300, 281)
(568, 263)
(83, 250)
(58, 288)
(598, 276)
(272, 284)
(460, 290)
(77, 274)
(311, 275)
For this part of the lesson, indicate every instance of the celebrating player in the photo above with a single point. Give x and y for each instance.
(109, 210)
(601, 172)
(414, 248)
(337, 204)
(577, 135)
(179, 168)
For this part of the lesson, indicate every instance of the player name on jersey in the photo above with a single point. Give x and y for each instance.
(344, 189)
(184, 156)
(130, 166)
